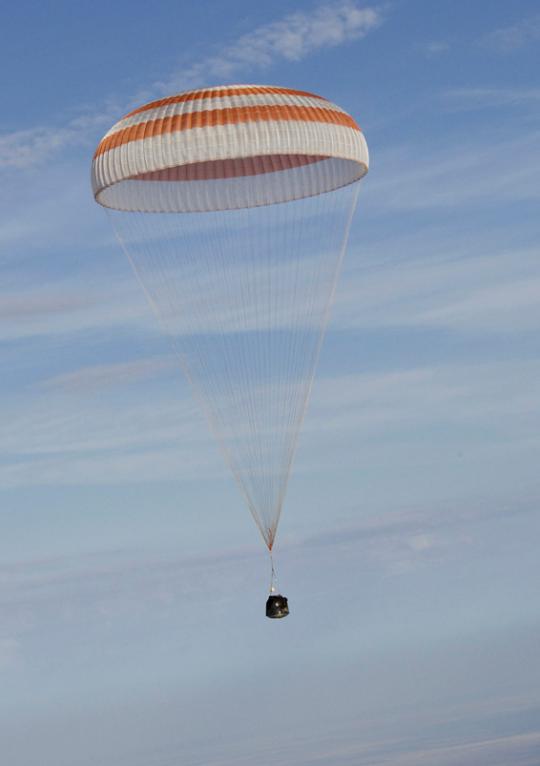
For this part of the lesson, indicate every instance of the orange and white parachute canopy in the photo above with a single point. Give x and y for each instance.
(228, 147)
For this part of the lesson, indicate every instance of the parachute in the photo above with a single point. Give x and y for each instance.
(233, 205)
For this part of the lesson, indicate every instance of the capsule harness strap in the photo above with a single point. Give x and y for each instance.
(273, 580)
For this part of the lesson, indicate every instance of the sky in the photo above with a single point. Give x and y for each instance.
(132, 578)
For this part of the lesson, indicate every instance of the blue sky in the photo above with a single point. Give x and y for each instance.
(132, 579)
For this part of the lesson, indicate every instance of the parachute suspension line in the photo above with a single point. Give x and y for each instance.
(137, 267)
(134, 268)
(273, 579)
(174, 343)
(320, 339)
(245, 296)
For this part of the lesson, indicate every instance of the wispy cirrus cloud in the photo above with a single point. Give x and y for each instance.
(436, 47)
(468, 288)
(30, 146)
(451, 396)
(458, 174)
(514, 36)
(21, 148)
(291, 38)
(465, 99)
(68, 307)
(496, 751)
(102, 376)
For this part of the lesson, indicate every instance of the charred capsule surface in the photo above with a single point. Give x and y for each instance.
(277, 606)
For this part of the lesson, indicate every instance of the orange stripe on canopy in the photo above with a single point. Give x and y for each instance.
(245, 90)
(216, 117)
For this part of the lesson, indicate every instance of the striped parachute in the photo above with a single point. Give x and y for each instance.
(233, 205)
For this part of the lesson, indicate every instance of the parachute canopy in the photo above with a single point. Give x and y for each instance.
(195, 151)
(233, 205)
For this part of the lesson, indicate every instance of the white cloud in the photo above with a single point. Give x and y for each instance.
(112, 466)
(98, 377)
(481, 98)
(498, 751)
(87, 437)
(469, 288)
(485, 170)
(436, 47)
(455, 395)
(80, 427)
(515, 36)
(68, 307)
(25, 148)
(292, 38)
